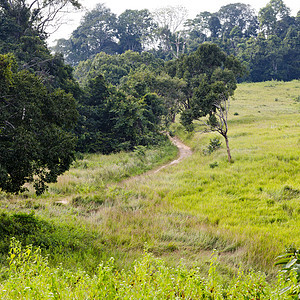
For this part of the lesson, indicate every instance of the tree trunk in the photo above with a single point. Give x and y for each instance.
(228, 149)
(173, 118)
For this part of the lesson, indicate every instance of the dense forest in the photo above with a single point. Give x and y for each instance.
(267, 43)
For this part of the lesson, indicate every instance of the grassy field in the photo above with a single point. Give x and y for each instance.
(248, 210)
(64, 221)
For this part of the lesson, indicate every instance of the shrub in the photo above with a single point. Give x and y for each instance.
(214, 145)
(29, 276)
(290, 272)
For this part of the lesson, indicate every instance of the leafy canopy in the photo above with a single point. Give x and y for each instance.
(35, 140)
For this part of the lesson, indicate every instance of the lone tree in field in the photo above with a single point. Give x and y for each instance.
(211, 80)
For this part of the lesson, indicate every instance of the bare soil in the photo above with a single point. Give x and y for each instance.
(184, 152)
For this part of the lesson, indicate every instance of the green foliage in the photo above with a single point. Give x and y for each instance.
(211, 80)
(115, 67)
(29, 274)
(113, 121)
(214, 144)
(247, 210)
(22, 28)
(170, 90)
(93, 172)
(213, 165)
(35, 140)
(57, 226)
(208, 82)
(134, 28)
(102, 31)
(297, 98)
(56, 241)
(290, 268)
(96, 33)
(265, 43)
(25, 227)
(139, 151)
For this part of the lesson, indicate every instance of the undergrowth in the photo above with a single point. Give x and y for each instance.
(29, 276)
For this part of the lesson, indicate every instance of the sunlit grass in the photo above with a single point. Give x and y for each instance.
(255, 200)
(248, 210)
(29, 276)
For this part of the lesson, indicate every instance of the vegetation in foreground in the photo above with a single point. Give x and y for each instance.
(29, 276)
(247, 210)
(59, 220)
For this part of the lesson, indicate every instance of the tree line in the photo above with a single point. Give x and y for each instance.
(267, 43)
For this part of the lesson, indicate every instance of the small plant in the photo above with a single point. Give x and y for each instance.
(91, 200)
(140, 152)
(214, 145)
(297, 99)
(171, 133)
(290, 268)
(236, 114)
(213, 165)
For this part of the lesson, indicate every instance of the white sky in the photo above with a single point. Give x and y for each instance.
(194, 7)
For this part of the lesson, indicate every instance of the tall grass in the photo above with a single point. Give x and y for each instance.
(29, 276)
(64, 221)
(248, 210)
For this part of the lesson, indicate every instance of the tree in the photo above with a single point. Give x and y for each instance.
(170, 90)
(115, 67)
(238, 15)
(111, 120)
(34, 15)
(36, 143)
(96, 33)
(102, 31)
(205, 23)
(211, 77)
(170, 35)
(205, 27)
(135, 28)
(19, 35)
(269, 15)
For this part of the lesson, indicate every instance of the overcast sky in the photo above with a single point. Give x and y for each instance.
(193, 6)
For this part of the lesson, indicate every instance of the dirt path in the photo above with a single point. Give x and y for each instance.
(184, 152)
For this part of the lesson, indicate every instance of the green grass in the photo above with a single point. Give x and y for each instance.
(93, 172)
(255, 200)
(29, 276)
(64, 221)
(248, 210)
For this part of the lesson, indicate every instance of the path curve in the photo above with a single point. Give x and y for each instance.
(184, 152)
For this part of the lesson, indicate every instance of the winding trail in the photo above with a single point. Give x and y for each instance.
(184, 152)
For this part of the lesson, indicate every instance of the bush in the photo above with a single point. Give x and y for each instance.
(214, 145)
(63, 243)
(25, 227)
(290, 272)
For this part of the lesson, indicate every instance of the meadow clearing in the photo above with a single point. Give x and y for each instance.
(246, 212)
